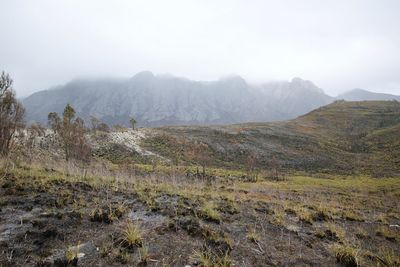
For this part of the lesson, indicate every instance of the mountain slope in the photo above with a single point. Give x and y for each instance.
(167, 100)
(342, 137)
(296, 97)
(360, 95)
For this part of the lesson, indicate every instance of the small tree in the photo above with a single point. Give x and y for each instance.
(133, 122)
(11, 114)
(67, 130)
(68, 114)
(72, 133)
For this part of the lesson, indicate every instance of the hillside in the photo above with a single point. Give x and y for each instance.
(342, 136)
(156, 100)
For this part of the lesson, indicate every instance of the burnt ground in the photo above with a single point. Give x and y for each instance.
(48, 218)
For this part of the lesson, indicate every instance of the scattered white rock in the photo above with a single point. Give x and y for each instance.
(131, 140)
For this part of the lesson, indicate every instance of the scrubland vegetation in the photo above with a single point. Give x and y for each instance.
(321, 190)
(163, 219)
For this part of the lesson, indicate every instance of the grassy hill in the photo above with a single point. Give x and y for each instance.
(344, 137)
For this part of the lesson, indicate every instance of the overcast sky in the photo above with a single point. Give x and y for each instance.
(339, 45)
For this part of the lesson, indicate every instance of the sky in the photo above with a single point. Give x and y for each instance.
(339, 45)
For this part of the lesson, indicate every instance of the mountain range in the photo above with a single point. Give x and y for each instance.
(157, 100)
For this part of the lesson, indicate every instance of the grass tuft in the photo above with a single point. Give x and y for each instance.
(210, 213)
(132, 236)
(144, 254)
(253, 236)
(346, 255)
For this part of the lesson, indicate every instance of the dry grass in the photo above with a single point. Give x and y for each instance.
(209, 212)
(132, 236)
(253, 235)
(325, 207)
(388, 257)
(347, 255)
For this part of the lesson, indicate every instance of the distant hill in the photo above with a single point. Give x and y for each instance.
(360, 95)
(168, 100)
(344, 137)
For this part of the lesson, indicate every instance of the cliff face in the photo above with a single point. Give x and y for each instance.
(167, 100)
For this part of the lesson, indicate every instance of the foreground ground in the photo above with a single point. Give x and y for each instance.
(61, 216)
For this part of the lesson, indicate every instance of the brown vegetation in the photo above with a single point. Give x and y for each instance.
(11, 114)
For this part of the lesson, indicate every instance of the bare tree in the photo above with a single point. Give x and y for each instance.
(98, 125)
(275, 166)
(11, 114)
(199, 152)
(54, 121)
(81, 149)
(251, 166)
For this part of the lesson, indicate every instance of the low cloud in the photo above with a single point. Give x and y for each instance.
(339, 45)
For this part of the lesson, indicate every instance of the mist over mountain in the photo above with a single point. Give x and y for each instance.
(156, 100)
(360, 94)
